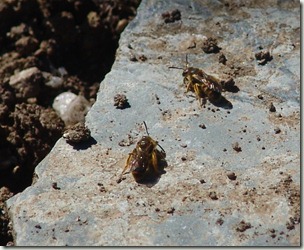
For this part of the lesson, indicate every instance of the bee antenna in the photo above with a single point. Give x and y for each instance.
(173, 67)
(187, 63)
(146, 128)
(149, 135)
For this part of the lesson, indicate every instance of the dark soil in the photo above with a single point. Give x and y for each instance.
(70, 41)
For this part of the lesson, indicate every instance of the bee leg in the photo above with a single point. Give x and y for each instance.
(125, 169)
(204, 101)
(198, 94)
(188, 86)
(187, 82)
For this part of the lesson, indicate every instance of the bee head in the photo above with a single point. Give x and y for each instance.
(146, 144)
(185, 72)
(189, 70)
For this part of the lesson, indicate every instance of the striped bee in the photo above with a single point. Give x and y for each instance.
(145, 161)
(203, 85)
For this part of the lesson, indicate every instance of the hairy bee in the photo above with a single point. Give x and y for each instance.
(145, 162)
(203, 85)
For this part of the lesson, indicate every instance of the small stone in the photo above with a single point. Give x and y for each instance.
(71, 108)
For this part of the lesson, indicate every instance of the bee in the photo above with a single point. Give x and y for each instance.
(145, 162)
(203, 85)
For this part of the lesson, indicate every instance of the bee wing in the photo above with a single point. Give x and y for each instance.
(209, 81)
(213, 83)
(198, 78)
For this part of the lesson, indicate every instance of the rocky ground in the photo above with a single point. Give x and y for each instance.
(48, 47)
(231, 173)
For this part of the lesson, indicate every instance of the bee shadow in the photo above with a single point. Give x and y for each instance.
(222, 103)
(153, 178)
(84, 145)
(125, 105)
(229, 85)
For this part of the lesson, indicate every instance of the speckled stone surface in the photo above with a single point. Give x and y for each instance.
(76, 200)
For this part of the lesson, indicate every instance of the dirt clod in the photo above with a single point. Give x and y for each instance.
(142, 58)
(55, 186)
(219, 221)
(231, 176)
(277, 130)
(236, 147)
(183, 158)
(203, 126)
(263, 57)
(101, 187)
(222, 59)
(213, 195)
(272, 108)
(77, 133)
(260, 97)
(171, 17)
(121, 101)
(171, 210)
(229, 85)
(243, 226)
(210, 46)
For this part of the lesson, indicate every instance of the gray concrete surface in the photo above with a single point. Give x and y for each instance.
(194, 203)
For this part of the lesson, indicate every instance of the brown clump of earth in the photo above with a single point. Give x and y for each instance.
(46, 48)
(171, 17)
